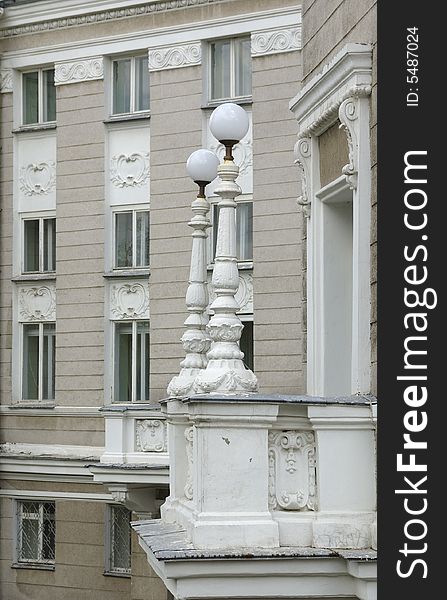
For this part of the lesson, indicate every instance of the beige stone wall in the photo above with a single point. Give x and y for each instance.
(79, 561)
(80, 245)
(6, 220)
(277, 233)
(41, 428)
(175, 133)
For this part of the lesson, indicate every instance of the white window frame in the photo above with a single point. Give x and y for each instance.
(134, 211)
(214, 200)
(18, 516)
(132, 91)
(208, 84)
(41, 325)
(340, 93)
(109, 569)
(34, 217)
(40, 96)
(134, 324)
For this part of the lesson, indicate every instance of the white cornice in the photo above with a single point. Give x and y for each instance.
(51, 451)
(48, 15)
(156, 38)
(348, 74)
(86, 497)
(56, 411)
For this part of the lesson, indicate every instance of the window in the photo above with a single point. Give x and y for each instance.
(131, 239)
(39, 97)
(118, 546)
(36, 532)
(130, 85)
(246, 344)
(131, 361)
(244, 230)
(230, 68)
(38, 363)
(39, 247)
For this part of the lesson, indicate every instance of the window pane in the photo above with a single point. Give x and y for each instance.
(220, 69)
(31, 245)
(49, 245)
(123, 362)
(123, 239)
(30, 97)
(246, 344)
(141, 83)
(242, 67)
(49, 354)
(215, 227)
(29, 547)
(244, 234)
(142, 361)
(121, 86)
(48, 532)
(142, 250)
(120, 539)
(49, 95)
(30, 362)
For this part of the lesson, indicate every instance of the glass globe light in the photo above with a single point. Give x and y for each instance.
(202, 166)
(229, 123)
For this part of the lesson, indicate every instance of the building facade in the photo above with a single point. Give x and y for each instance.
(102, 102)
(101, 106)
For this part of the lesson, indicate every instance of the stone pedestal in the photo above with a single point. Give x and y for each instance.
(221, 497)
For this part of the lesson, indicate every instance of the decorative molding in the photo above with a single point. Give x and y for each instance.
(80, 70)
(38, 179)
(174, 57)
(150, 435)
(129, 170)
(303, 154)
(37, 303)
(275, 41)
(242, 152)
(348, 115)
(292, 470)
(148, 8)
(244, 294)
(189, 487)
(349, 74)
(5, 81)
(129, 301)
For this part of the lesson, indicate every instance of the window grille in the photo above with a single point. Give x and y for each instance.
(120, 550)
(36, 532)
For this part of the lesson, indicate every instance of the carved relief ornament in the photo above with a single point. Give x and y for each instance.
(129, 170)
(38, 179)
(303, 160)
(183, 55)
(292, 470)
(129, 301)
(37, 303)
(275, 41)
(150, 435)
(88, 69)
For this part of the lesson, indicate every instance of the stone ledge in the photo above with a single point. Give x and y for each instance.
(168, 541)
(354, 400)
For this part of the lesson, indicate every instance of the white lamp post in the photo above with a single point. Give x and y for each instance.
(202, 168)
(225, 372)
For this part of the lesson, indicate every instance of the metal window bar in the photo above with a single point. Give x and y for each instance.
(120, 549)
(36, 532)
